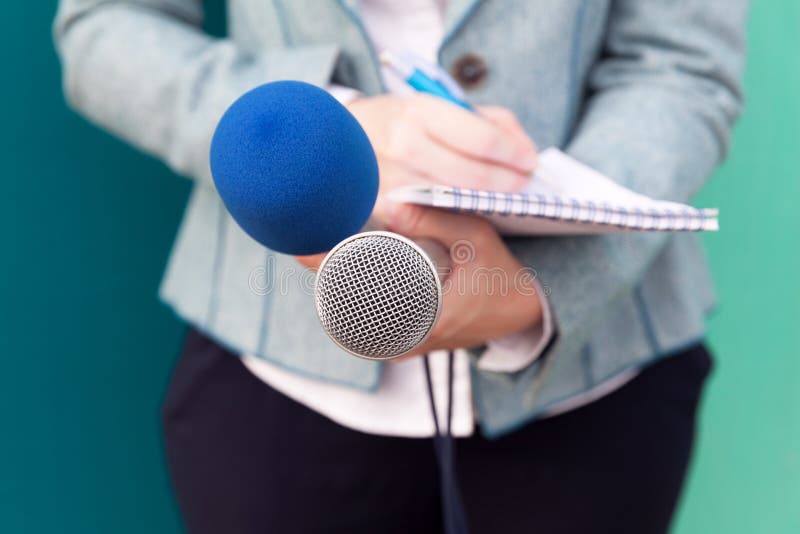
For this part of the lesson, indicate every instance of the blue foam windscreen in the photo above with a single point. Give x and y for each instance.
(294, 168)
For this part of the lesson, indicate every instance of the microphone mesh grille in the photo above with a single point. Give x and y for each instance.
(377, 296)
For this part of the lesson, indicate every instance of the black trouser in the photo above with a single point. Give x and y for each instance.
(246, 459)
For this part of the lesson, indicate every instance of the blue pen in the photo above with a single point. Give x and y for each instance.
(425, 78)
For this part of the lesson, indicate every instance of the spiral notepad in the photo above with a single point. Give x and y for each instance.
(566, 197)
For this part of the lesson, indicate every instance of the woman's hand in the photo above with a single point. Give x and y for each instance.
(488, 294)
(421, 139)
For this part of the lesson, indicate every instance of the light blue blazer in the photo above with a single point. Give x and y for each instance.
(645, 91)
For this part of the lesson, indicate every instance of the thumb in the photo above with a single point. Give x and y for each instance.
(425, 222)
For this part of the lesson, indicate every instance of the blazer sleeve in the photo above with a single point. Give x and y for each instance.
(664, 94)
(146, 72)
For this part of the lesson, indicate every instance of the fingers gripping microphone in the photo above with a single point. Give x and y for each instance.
(379, 295)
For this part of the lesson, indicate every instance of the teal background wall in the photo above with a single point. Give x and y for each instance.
(87, 349)
(746, 477)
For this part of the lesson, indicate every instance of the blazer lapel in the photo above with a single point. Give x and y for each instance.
(456, 14)
(351, 6)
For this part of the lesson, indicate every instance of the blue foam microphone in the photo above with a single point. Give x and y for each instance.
(294, 168)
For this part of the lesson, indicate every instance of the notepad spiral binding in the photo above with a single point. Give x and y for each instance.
(580, 211)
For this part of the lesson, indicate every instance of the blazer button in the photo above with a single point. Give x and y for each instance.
(470, 71)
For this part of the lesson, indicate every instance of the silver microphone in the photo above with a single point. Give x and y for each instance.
(379, 295)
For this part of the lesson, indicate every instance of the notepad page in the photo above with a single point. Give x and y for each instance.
(565, 197)
(560, 175)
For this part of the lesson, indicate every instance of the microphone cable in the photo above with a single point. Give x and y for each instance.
(454, 515)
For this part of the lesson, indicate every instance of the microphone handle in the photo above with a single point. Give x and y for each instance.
(438, 254)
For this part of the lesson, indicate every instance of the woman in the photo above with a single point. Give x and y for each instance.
(568, 415)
